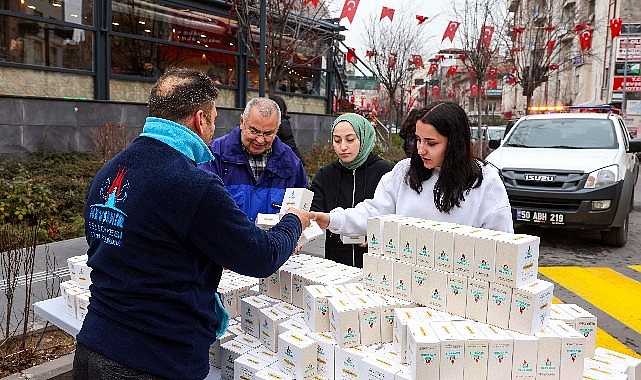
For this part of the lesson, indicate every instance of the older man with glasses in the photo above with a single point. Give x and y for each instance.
(254, 164)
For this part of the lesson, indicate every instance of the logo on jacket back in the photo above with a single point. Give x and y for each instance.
(105, 219)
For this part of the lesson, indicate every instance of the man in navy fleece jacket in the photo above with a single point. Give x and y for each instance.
(155, 250)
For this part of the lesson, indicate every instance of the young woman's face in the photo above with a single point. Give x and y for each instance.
(431, 145)
(346, 144)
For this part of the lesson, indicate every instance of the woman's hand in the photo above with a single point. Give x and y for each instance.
(322, 218)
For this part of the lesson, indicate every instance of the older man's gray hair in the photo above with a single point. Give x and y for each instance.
(266, 107)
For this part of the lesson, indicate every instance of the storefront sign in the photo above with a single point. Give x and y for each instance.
(630, 47)
(633, 68)
(633, 84)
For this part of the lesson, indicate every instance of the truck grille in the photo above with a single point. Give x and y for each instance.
(533, 180)
(567, 205)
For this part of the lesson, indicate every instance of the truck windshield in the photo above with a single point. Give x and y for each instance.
(564, 134)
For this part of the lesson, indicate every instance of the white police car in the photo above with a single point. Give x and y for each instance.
(572, 170)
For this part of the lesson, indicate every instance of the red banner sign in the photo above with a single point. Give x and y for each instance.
(632, 84)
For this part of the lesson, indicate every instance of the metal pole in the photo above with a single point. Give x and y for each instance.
(263, 54)
(624, 101)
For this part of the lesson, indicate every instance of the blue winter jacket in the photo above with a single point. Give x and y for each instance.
(284, 170)
(160, 232)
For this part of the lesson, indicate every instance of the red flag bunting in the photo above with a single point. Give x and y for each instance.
(551, 44)
(451, 95)
(549, 28)
(615, 27)
(486, 36)
(349, 9)
(515, 50)
(462, 57)
(314, 3)
(370, 53)
(511, 79)
(580, 27)
(517, 30)
(391, 62)
(491, 72)
(513, 69)
(452, 70)
(586, 40)
(491, 83)
(450, 31)
(553, 66)
(433, 67)
(474, 90)
(421, 19)
(439, 57)
(417, 60)
(387, 12)
(351, 55)
(436, 91)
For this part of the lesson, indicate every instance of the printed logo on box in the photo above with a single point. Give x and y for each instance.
(525, 367)
(319, 350)
(248, 312)
(476, 355)
(428, 357)
(371, 321)
(384, 281)
(350, 333)
(573, 352)
(586, 331)
(498, 299)
(323, 309)
(443, 256)
(483, 265)
(400, 285)
(391, 244)
(528, 254)
(407, 247)
(423, 252)
(476, 294)
(436, 295)
(349, 363)
(505, 269)
(373, 240)
(419, 280)
(369, 277)
(452, 356)
(500, 355)
(456, 289)
(463, 261)
(522, 305)
(297, 287)
(289, 353)
(548, 365)
(390, 319)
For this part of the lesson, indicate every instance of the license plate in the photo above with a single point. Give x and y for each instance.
(540, 217)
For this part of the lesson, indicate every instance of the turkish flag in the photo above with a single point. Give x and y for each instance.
(439, 57)
(551, 44)
(615, 27)
(491, 73)
(349, 9)
(511, 79)
(486, 36)
(351, 55)
(421, 19)
(515, 50)
(549, 28)
(314, 3)
(553, 66)
(491, 83)
(516, 31)
(578, 28)
(433, 67)
(452, 70)
(436, 91)
(586, 40)
(370, 53)
(387, 12)
(451, 95)
(391, 62)
(450, 31)
(417, 60)
(474, 90)
(462, 57)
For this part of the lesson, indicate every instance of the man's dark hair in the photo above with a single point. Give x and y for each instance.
(460, 171)
(179, 93)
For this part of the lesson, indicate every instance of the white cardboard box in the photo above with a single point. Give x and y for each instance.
(572, 350)
(377, 368)
(634, 364)
(530, 308)
(385, 269)
(500, 352)
(420, 285)
(267, 221)
(390, 244)
(343, 322)
(444, 248)
(476, 350)
(609, 368)
(423, 351)
(316, 307)
(250, 315)
(370, 271)
(83, 274)
(517, 259)
(402, 318)
(246, 366)
(525, 356)
(548, 363)
(402, 287)
(498, 305)
(484, 266)
(270, 318)
(456, 293)
(463, 254)
(299, 198)
(584, 322)
(477, 299)
(452, 361)
(407, 241)
(375, 234)
(369, 316)
(230, 351)
(297, 353)
(425, 243)
(347, 361)
(437, 289)
(325, 347)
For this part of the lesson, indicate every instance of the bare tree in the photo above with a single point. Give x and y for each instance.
(541, 39)
(393, 46)
(293, 35)
(480, 21)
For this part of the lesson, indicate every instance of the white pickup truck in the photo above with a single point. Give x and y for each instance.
(570, 170)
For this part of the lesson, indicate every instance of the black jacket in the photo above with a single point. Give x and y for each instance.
(286, 135)
(336, 186)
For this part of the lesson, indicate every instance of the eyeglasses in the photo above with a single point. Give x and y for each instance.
(256, 133)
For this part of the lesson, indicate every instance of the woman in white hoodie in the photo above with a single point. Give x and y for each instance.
(441, 181)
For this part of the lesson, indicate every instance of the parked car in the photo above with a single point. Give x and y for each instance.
(570, 170)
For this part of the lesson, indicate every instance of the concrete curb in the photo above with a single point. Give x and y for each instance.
(58, 369)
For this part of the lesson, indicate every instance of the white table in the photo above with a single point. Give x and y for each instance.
(54, 310)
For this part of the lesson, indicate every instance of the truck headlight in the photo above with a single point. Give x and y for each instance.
(602, 177)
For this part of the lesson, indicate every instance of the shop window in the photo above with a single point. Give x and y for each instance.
(44, 44)
(71, 11)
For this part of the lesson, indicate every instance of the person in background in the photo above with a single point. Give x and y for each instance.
(349, 180)
(285, 133)
(408, 130)
(160, 231)
(254, 164)
(150, 71)
(442, 181)
(309, 89)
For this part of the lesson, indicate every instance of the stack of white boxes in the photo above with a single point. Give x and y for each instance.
(75, 291)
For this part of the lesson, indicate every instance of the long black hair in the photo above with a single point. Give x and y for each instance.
(460, 171)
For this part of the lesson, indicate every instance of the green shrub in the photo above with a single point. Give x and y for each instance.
(24, 199)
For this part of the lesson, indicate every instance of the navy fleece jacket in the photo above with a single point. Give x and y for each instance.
(160, 231)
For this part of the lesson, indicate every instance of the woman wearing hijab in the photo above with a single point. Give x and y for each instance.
(349, 180)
